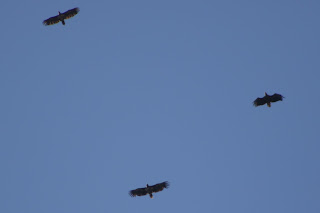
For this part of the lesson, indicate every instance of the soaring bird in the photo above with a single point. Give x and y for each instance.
(149, 189)
(61, 17)
(267, 99)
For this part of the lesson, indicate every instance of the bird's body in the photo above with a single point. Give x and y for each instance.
(268, 99)
(61, 17)
(149, 189)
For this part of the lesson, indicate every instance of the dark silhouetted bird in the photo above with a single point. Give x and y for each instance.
(267, 99)
(149, 189)
(61, 17)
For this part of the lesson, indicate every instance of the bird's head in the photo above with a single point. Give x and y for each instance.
(266, 94)
(59, 12)
(147, 185)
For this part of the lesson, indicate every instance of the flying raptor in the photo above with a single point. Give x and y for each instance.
(149, 189)
(267, 99)
(61, 17)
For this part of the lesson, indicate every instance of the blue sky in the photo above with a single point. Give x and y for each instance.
(135, 92)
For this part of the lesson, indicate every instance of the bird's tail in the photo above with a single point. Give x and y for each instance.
(269, 104)
(151, 196)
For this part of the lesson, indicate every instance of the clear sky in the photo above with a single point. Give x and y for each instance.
(135, 92)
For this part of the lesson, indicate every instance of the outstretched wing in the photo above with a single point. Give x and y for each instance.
(70, 13)
(138, 192)
(159, 187)
(259, 101)
(52, 20)
(276, 97)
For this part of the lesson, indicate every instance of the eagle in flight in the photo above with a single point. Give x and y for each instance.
(267, 99)
(149, 189)
(61, 17)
